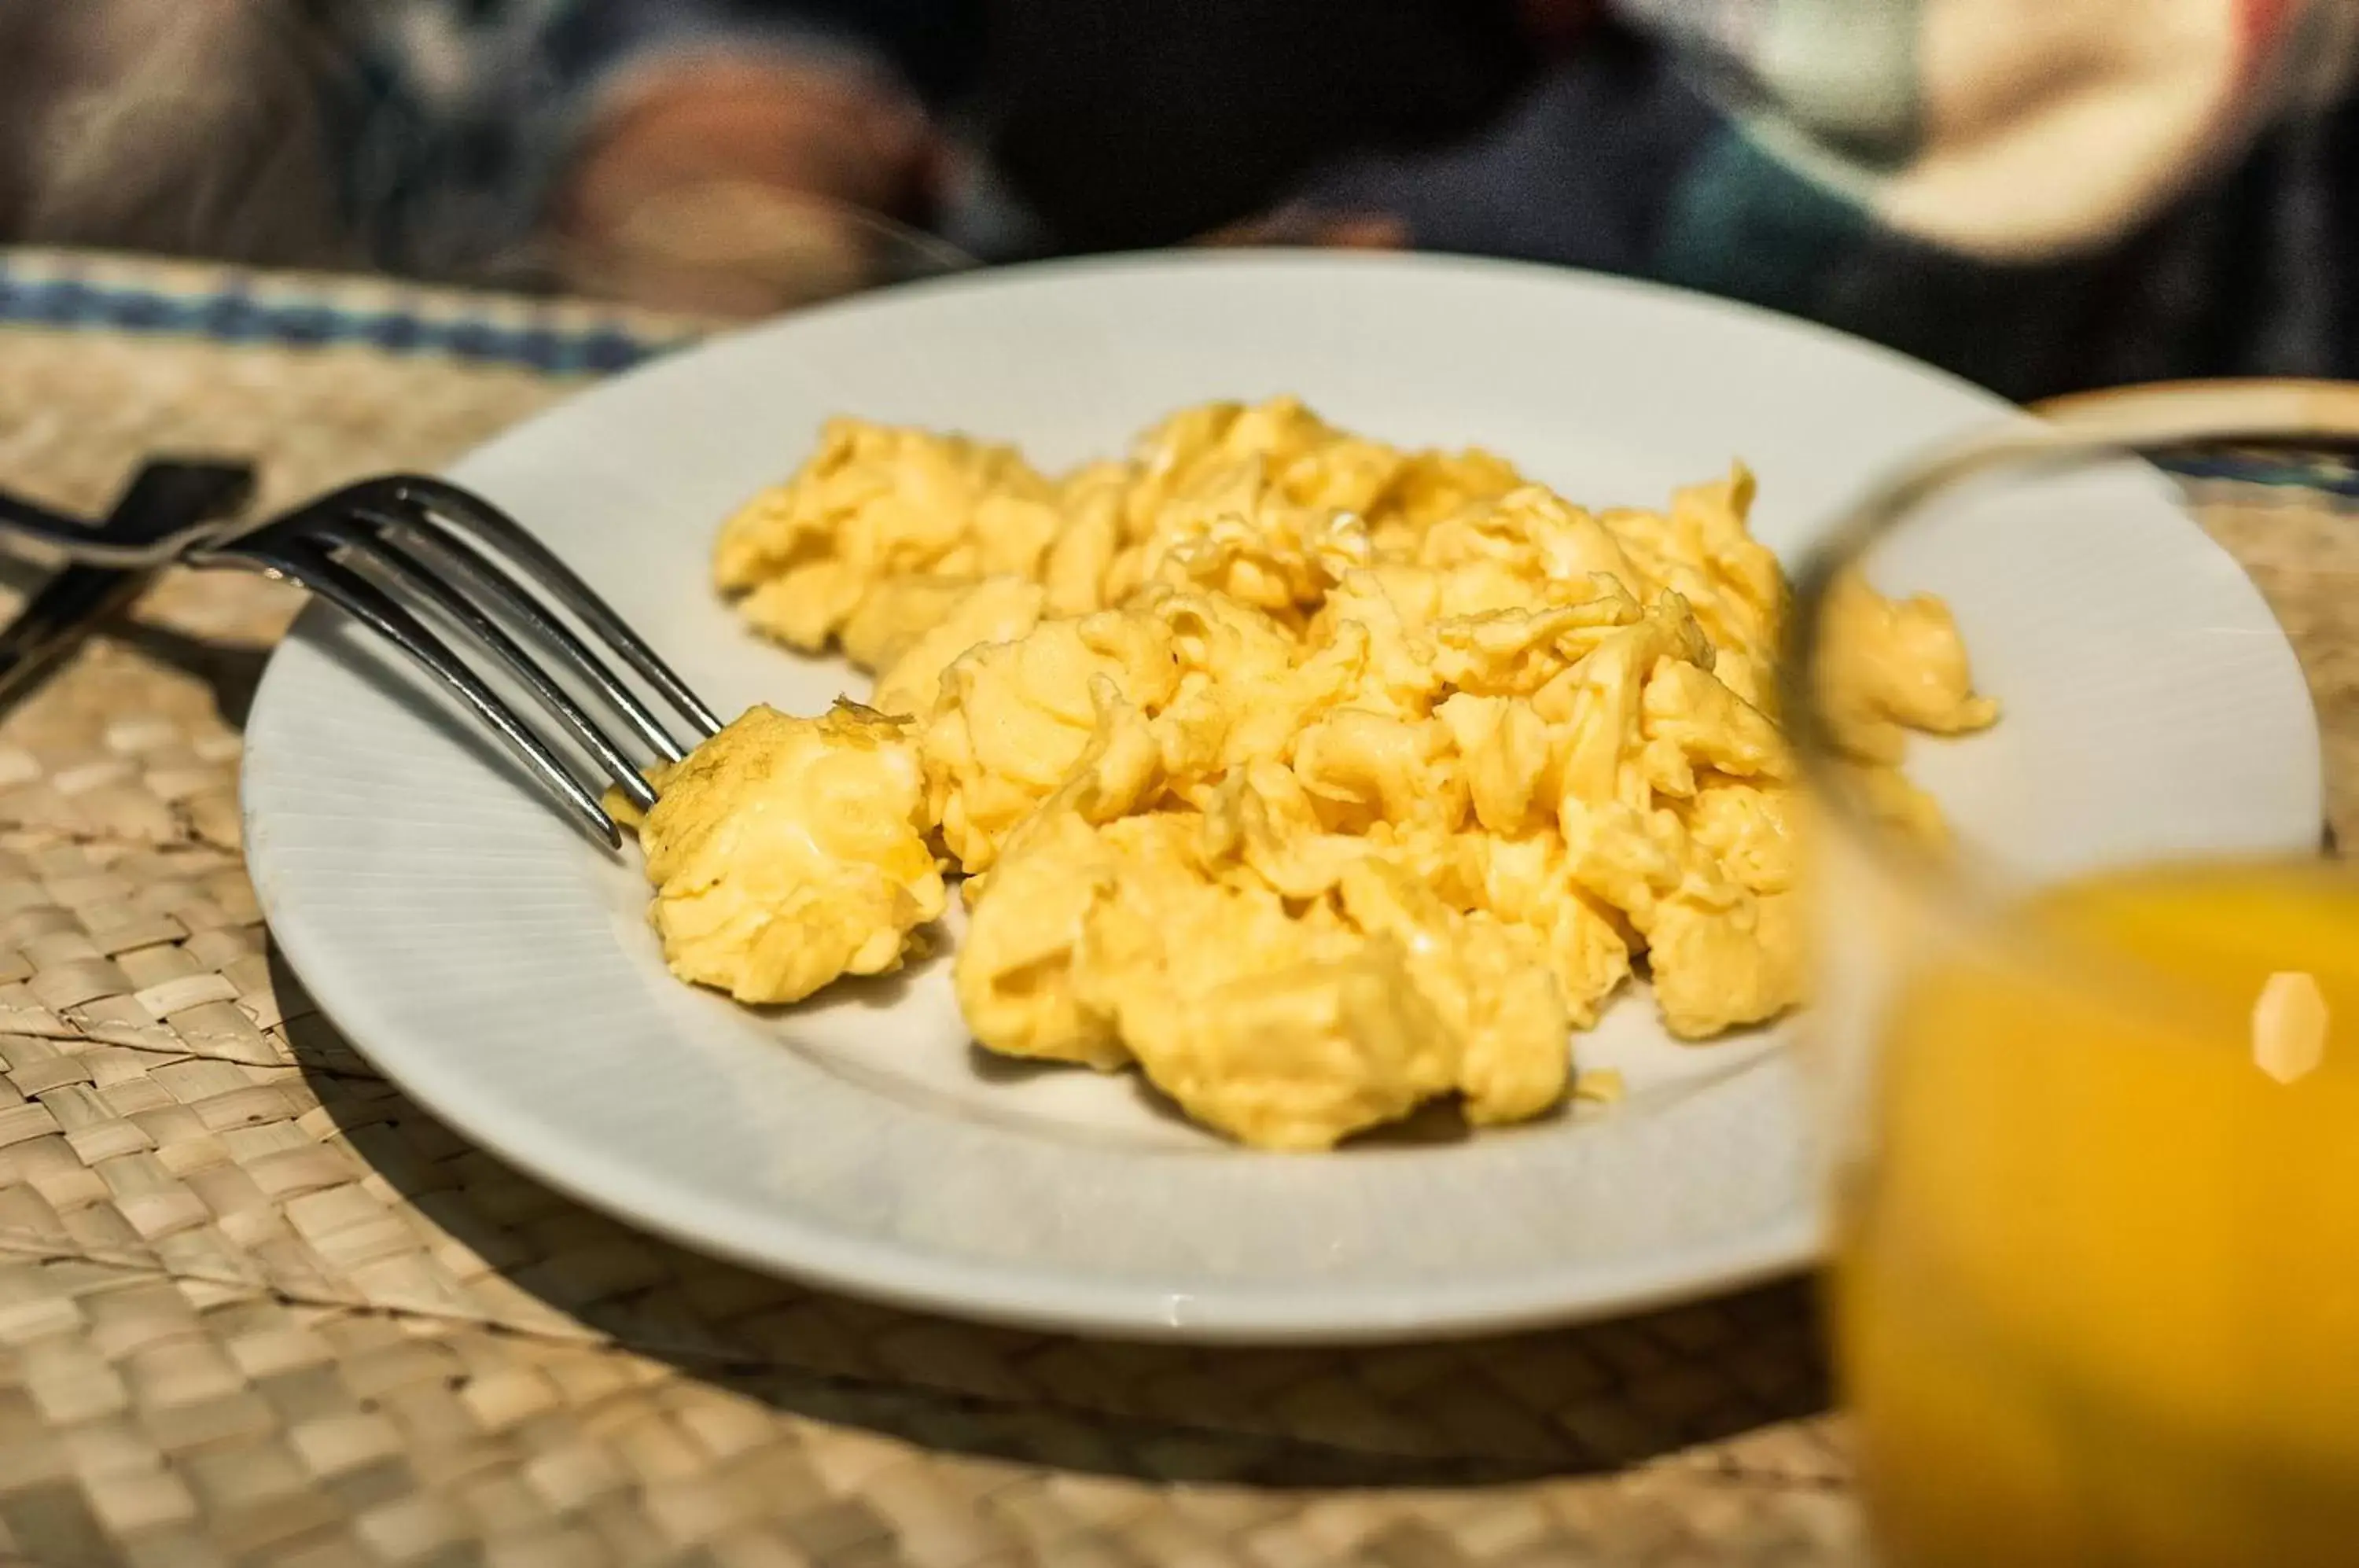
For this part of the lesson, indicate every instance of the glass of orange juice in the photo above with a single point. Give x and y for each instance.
(2095, 1145)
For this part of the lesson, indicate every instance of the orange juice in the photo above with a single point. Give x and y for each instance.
(2097, 1295)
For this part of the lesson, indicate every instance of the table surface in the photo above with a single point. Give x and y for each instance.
(255, 1306)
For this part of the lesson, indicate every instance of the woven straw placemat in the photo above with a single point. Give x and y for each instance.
(255, 1306)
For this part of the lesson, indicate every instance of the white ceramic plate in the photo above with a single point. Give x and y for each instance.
(496, 966)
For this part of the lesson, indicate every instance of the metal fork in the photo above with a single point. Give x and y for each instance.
(368, 547)
(166, 496)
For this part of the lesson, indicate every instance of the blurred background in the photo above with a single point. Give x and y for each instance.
(2039, 196)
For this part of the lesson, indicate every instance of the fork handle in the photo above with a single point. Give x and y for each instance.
(167, 503)
(55, 620)
(164, 498)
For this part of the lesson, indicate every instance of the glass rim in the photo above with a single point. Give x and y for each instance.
(2064, 435)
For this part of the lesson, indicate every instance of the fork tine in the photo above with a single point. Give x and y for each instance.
(487, 525)
(369, 540)
(281, 549)
(458, 556)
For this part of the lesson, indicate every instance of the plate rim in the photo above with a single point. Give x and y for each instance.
(1009, 1293)
(1146, 1310)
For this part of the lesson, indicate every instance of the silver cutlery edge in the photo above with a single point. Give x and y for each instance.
(375, 550)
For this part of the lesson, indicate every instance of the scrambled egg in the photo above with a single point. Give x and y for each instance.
(1315, 778)
(786, 853)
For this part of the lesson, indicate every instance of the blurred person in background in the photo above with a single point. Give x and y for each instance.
(192, 125)
(637, 146)
(2038, 195)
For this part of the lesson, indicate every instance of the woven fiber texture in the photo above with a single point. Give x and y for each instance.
(2303, 551)
(256, 1307)
(141, 295)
